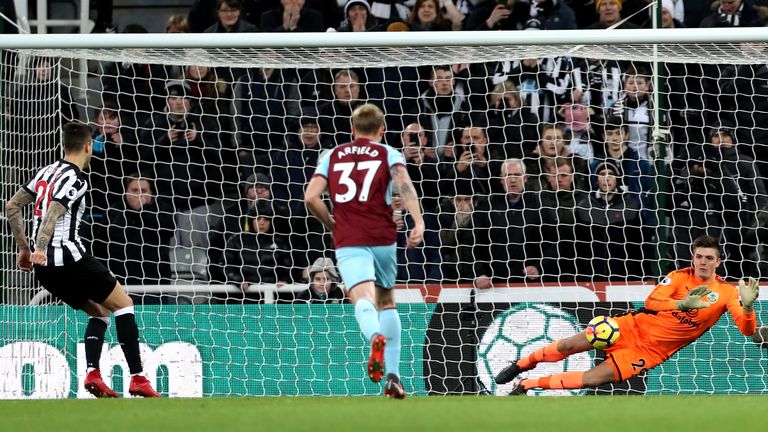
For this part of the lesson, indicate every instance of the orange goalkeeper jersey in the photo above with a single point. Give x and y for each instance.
(667, 329)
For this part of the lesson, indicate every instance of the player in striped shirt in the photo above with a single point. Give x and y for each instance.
(686, 304)
(63, 267)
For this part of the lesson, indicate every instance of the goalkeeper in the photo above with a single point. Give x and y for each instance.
(686, 304)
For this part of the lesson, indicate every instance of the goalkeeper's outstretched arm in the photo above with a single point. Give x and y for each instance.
(741, 307)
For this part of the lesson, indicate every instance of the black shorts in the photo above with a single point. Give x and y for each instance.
(75, 284)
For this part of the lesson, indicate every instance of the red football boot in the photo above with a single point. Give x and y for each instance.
(97, 387)
(394, 388)
(376, 358)
(140, 386)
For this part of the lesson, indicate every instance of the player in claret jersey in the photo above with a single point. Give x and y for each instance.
(360, 177)
(686, 304)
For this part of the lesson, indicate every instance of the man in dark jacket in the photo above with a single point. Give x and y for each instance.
(720, 193)
(257, 256)
(733, 13)
(610, 229)
(517, 230)
(139, 229)
(559, 257)
(174, 145)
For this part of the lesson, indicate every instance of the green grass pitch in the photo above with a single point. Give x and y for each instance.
(363, 414)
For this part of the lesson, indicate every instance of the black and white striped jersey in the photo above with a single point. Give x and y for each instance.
(61, 181)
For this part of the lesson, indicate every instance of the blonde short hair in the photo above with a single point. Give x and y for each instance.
(367, 119)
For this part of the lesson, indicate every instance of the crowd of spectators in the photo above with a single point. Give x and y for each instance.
(535, 170)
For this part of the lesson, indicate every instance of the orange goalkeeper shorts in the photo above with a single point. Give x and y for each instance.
(629, 357)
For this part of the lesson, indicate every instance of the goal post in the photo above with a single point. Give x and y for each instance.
(200, 138)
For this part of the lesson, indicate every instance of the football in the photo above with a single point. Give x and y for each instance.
(602, 332)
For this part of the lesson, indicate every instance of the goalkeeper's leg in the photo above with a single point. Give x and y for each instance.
(554, 352)
(601, 374)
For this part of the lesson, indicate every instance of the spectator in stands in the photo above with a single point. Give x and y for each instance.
(491, 15)
(472, 159)
(635, 108)
(553, 145)
(294, 166)
(115, 155)
(257, 256)
(334, 117)
(560, 198)
(509, 124)
(543, 83)
(422, 263)
(550, 15)
(577, 118)
(609, 14)
(214, 98)
(463, 222)
(357, 17)
(255, 189)
(229, 20)
(672, 14)
(733, 13)
(264, 99)
(139, 230)
(442, 106)
(516, 228)
(323, 284)
(719, 192)
(177, 24)
(421, 160)
(292, 16)
(597, 83)
(609, 229)
(638, 174)
(292, 169)
(174, 144)
(428, 15)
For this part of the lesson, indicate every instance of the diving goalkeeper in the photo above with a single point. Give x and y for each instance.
(686, 304)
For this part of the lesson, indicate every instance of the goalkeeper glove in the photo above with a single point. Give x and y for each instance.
(748, 292)
(693, 299)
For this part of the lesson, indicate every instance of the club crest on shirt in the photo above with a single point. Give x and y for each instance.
(712, 297)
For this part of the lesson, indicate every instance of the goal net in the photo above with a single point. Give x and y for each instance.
(559, 181)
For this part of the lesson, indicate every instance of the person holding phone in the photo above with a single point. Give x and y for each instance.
(499, 15)
(421, 162)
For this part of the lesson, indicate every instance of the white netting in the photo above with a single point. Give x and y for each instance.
(227, 137)
(350, 57)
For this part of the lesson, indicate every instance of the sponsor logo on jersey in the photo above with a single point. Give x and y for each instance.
(686, 319)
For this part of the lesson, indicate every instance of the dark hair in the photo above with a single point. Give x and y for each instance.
(559, 162)
(441, 67)
(132, 177)
(706, 241)
(234, 4)
(639, 69)
(614, 122)
(367, 119)
(75, 136)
